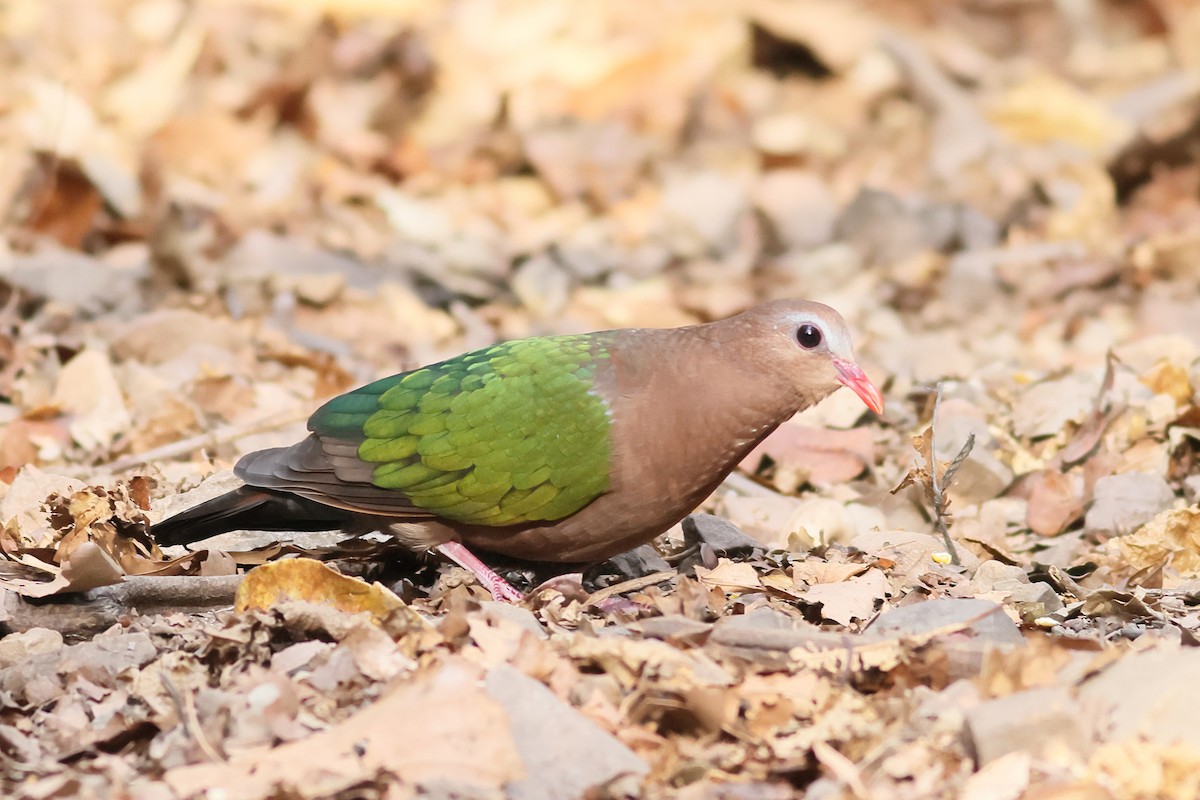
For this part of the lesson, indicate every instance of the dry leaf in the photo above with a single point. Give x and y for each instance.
(88, 390)
(1170, 540)
(308, 580)
(856, 599)
(1054, 502)
(730, 576)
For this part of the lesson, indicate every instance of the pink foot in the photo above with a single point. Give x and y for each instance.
(501, 589)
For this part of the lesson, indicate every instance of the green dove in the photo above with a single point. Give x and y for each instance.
(561, 448)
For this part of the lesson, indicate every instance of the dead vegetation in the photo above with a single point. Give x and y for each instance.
(218, 213)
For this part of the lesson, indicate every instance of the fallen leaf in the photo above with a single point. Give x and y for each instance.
(730, 576)
(88, 390)
(307, 579)
(1169, 540)
(855, 599)
(1054, 502)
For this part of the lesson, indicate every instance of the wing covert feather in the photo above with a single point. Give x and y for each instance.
(505, 435)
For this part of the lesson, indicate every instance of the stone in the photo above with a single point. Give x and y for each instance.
(799, 206)
(702, 211)
(1126, 502)
(1029, 721)
(541, 285)
(18, 647)
(1146, 696)
(564, 753)
(73, 279)
(635, 563)
(725, 538)
(973, 627)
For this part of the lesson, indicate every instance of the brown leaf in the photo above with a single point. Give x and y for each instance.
(1171, 539)
(1054, 502)
(310, 580)
(63, 203)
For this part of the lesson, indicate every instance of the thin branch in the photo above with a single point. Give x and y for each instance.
(90, 612)
(185, 709)
(211, 439)
(939, 483)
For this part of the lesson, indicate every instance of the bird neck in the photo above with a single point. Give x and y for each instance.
(690, 404)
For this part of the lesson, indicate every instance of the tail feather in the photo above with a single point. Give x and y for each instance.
(248, 508)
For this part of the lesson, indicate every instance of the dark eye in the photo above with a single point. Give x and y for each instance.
(809, 336)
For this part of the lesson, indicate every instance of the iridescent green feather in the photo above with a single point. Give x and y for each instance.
(505, 435)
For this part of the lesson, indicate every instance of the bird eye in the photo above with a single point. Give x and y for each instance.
(809, 336)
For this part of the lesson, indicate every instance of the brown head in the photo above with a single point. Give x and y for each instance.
(809, 345)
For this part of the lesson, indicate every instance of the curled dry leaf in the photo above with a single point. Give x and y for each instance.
(1169, 541)
(88, 537)
(856, 599)
(309, 580)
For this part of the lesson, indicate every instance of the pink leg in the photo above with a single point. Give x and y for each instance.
(501, 589)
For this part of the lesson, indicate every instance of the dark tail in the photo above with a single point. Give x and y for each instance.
(248, 509)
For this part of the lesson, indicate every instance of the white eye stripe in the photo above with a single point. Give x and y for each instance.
(835, 338)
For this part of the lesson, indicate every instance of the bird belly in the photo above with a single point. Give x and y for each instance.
(611, 524)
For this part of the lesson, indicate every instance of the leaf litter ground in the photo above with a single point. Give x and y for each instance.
(218, 214)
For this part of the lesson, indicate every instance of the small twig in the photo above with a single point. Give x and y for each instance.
(87, 613)
(630, 585)
(842, 768)
(211, 439)
(185, 708)
(939, 483)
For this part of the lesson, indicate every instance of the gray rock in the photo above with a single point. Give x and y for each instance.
(987, 622)
(107, 655)
(799, 206)
(702, 210)
(565, 754)
(1127, 501)
(1045, 408)
(981, 476)
(1149, 695)
(39, 678)
(18, 647)
(997, 576)
(597, 160)
(74, 279)
(1029, 721)
(635, 563)
(284, 259)
(883, 227)
(725, 538)
(972, 626)
(522, 617)
(1033, 600)
(541, 285)
(1030, 599)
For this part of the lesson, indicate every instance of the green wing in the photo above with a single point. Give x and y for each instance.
(504, 435)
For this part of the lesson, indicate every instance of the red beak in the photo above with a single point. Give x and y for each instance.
(851, 375)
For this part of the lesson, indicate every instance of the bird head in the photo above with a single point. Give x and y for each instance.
(811, 343)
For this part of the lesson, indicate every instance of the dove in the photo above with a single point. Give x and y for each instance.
(567, 449)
